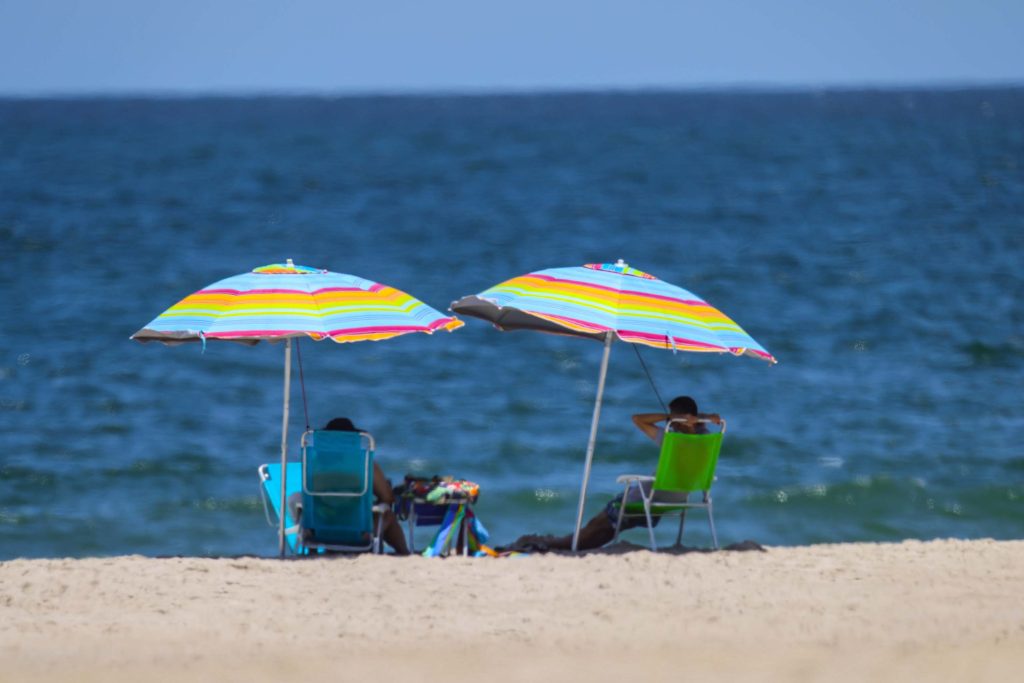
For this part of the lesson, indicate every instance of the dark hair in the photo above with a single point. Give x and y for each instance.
(341, 424)
(683, 405)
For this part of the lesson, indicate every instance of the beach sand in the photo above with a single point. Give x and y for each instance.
(941, 610)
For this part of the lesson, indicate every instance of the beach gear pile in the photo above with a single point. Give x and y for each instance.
(447, 535)
(436, 490)
(454, 491)
(456, 497)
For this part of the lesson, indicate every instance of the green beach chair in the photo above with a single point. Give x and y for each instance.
(686, 465)
(337, 493)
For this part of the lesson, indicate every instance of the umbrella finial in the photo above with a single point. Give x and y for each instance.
(621, 264)
(289, 263)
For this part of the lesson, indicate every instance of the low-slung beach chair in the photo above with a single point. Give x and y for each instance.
(419, 513)
(335, 509)
(686, 465)
(427, 502)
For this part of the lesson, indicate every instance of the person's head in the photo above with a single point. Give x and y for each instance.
(682, 405)
(685, 407)
(341, 424)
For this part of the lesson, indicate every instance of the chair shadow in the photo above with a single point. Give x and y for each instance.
(625, 547)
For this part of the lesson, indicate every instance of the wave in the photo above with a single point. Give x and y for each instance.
(982, 354)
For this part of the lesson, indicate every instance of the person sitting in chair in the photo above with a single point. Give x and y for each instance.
(601, 528)
(391, 530)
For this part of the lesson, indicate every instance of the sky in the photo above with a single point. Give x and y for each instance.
(262, 46)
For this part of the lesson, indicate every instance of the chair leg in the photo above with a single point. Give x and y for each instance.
(412, 530)
(711, 521)
(618, 518)
(682, 520)
(650, 525)
(378, 543)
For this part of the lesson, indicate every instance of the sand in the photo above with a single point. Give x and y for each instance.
(942, 610)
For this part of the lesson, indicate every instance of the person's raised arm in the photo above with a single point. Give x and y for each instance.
(648, 424)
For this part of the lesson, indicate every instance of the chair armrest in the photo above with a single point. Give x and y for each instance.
(381, 507)
(622, 479)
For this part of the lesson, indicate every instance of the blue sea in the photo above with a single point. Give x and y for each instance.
(873, 241)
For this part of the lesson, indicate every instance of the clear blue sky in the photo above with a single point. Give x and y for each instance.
(66, 46)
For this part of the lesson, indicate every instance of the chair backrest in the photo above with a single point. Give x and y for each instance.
(687, 462)
(337, 486)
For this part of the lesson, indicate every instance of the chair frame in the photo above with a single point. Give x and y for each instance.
(375, 545)
(443, 503)
(649, 498)
(264, 472)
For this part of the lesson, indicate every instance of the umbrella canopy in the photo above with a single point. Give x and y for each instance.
(283, 301)
(599, 299)
(609, 301)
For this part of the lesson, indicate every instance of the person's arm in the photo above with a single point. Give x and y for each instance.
(381, 486)
(711, 417)
(648, 424)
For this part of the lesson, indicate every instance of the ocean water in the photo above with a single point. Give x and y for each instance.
(872, 241)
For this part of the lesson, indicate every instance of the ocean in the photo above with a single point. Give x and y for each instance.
(873, 241)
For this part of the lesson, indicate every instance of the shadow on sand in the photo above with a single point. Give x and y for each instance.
(625, 547)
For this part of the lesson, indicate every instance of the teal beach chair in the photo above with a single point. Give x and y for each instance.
(686, 465)
(329, 499)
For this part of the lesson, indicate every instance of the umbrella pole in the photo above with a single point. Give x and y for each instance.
(284, 442)
(593, 437)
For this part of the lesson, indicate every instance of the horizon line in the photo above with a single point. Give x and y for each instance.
(498, 91)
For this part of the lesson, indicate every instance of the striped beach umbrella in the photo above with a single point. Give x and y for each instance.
(608, 302)
(284, 301)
